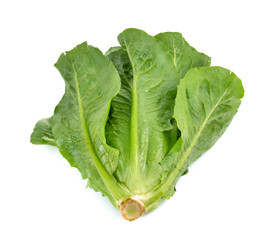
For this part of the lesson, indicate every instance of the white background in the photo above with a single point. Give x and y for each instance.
(228, 193)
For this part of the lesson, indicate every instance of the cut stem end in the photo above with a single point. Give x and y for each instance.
(131, 209)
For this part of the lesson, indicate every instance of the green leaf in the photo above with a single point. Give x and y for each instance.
(206, 102)
(42, 133)
(118, 126)
(184, 56)
(78, 123)
(140, 116)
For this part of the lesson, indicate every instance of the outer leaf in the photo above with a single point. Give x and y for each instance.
(79, 119)
(142, 111)
(183, 55)
(206, 102)
(184, 58)
(42, 133)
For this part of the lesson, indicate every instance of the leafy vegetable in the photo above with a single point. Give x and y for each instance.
(133, 121)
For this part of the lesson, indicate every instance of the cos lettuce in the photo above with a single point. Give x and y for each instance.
(133, 120)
